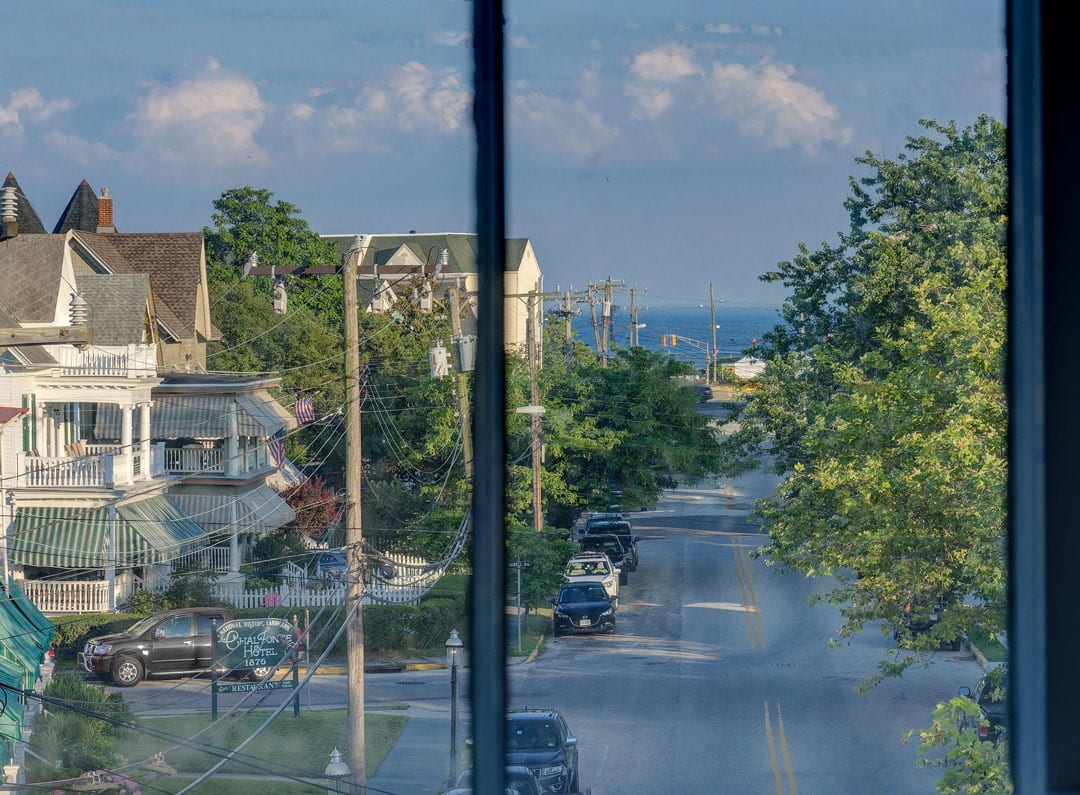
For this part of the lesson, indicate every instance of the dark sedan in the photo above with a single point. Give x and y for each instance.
(582, 607)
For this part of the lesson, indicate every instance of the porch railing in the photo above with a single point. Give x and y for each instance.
(67, 596)
(186, 460)
(207, 559)
(106, 466)
(134, 361)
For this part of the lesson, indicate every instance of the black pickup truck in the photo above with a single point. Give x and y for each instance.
(173, 643)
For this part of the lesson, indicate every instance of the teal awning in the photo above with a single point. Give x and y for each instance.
(12, 710)
(152, 530)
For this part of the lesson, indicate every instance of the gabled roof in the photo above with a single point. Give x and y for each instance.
(29, 222)
(118, 306)
(30, 272)
(172, 260)
(9, 413)
(81, 212)
(461, 251)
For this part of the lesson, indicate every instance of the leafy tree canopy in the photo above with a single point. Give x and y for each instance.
(884, 401)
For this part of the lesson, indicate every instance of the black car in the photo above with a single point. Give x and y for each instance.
(990, 696)
(612, 546)
(582, 607)
(540, 740)
(173, 643)
(622, 529)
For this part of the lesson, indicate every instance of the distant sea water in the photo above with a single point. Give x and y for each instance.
(738, 328)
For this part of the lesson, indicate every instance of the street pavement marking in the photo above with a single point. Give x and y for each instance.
(772, 753)
(773, 760)
(746, 583)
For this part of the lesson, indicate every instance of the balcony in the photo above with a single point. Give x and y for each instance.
(104, 467)
(137, 361)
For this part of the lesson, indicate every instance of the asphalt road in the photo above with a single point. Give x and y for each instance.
(718, 680)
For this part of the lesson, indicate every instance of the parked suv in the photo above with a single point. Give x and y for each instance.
(990, 695)
(614, 548)
(173, 643)
(622, 529)
(540, 740)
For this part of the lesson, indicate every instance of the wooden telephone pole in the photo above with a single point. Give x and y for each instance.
(354, 535)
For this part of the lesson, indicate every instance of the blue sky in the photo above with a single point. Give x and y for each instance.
(668, 145)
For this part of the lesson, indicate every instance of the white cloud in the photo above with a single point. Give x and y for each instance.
(414, 99)
(417, 99)
(80, 150)
(650, 102)
(522, 43)
(724, 28)
(767, 103)
(664, 64)
(28, 105)
(449, 38)
(766, 30)
(211, 120)
(563, 128)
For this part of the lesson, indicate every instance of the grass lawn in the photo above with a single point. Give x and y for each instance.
(290, 746)
(991, 649)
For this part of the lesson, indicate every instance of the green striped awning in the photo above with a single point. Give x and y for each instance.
(259, 510)
(152, 530)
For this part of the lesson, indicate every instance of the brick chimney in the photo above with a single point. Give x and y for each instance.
(105, 219)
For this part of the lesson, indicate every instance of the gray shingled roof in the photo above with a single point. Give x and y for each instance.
(81, 212)
(31, 354)
(118, 306)
(30, 270)
(426, 247)
(29, 222)
(172, 261)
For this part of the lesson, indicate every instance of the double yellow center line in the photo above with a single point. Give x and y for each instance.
(783, 752)
(749, 598)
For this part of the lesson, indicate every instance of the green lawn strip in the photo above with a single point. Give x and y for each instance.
(289, 746)
(991, 649)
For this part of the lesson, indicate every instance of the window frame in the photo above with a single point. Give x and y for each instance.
(1042, 387)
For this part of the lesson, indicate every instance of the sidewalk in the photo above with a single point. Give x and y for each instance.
(419, 762)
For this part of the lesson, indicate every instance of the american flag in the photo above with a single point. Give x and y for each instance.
(305, 410)
(276, 443)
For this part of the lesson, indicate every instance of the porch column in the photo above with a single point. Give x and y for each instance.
(110, 566)
(144, 440)
(126, 442)
(232, 442)
(234, 538)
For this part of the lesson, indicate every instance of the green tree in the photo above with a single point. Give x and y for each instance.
(884, 400)
(546, 554)
(305, 345)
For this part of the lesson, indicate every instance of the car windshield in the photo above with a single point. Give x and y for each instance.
(583, 593)
(143, 624)
(531, 734)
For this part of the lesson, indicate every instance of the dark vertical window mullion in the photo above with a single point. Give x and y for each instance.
(1027, 416)
(488, 633)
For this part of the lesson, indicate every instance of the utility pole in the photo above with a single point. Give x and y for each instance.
(354, 535)
(634, 309)
(710, 377)
(462, 383)
(534, 420)
(595, 325)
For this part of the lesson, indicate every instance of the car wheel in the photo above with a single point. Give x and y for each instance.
(127, 672)
(261, 672)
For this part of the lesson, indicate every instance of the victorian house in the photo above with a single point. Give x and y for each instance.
(121, 459)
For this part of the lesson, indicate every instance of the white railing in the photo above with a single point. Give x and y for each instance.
(136, 361)
(68, 596)
(106, 466)
(413, 577)
(208, 559)
(179, 460)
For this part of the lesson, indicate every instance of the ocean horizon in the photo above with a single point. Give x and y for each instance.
(738, 329)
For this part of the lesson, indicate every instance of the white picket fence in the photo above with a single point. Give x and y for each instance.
(413, 577)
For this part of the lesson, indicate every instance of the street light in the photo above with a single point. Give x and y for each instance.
(454, 649)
